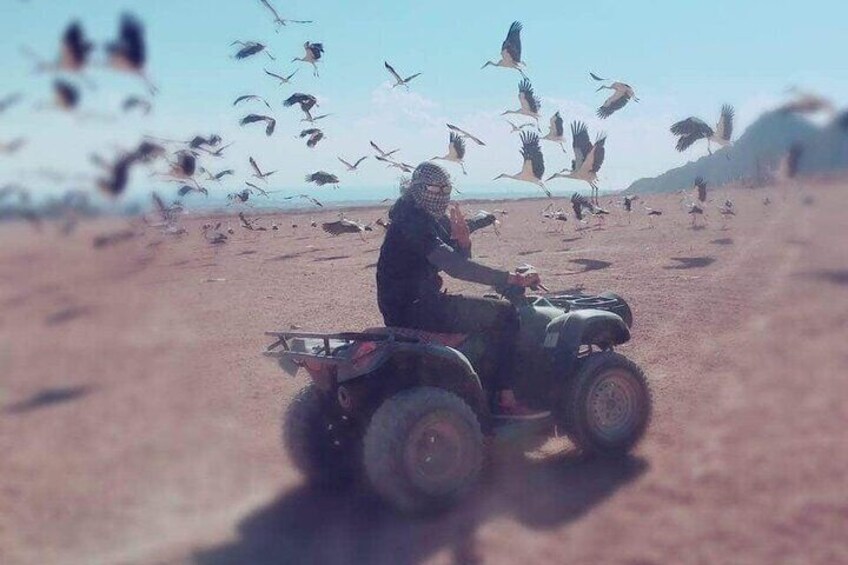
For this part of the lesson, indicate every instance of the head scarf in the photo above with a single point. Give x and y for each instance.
(429, 174)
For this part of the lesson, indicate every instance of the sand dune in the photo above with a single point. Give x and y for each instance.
(139, 422)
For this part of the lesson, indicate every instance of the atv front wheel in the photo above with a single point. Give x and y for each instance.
(423, 449)
(319, 441)
(609, 405)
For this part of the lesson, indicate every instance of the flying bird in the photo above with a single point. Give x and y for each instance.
(270, 123)
(381, 153)
(464, 134)
(456, 151)
(133, 102)
(188, 189)
(217, 176)
(405, 167)
(262, 191)
(312, 54)
(692, 129)
(281, 78)
(129, 52)
(321, 178)
(306, 197)
(9, 101)
(510, 51)
(534, 163)
(281, 22)
(241, 196)
(354, 166)
(399, 81)
(305, 101)
(247, 97)
(75, 50)
(199, 141)
(530, 104)
(807, 103)
(556, 131)
(66, 96)
(249, 49)
(257, 172)
(315, 135)
(617, 100)
(588, 158)
(115, 183)
(518, 129)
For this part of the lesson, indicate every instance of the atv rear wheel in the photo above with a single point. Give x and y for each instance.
(319, 441)
(609, 405)
(423, 449)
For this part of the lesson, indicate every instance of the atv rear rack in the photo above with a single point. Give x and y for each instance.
(325, 347)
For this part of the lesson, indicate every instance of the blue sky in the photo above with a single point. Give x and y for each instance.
(683, 58)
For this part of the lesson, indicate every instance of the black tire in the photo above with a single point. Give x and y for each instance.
(608, 408)
(423, 449)
(321, 444)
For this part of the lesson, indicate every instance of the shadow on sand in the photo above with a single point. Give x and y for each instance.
(591, 264)
(68, 314)
(307, 525)
(690, 262)
(723, 241)
(49, 397)
(833, 276)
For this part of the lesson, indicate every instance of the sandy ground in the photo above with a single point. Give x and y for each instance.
(139, 422)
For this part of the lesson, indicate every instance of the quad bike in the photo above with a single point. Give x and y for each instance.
(408, 407)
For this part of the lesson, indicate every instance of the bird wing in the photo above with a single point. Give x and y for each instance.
(724, 128)
(596, 156)
(692, 126)
(511, 47)
(317, 49)
(340, 226)
(269, 129)
(251, 118)
(345, 163)
(268, 5)
(359, 161)
(249, 50)
(528, 100)
(534, 162)
(410, 77)
(456, 146)
(314, 139)
(255, 166)
(466, 134)
(556, 125)
(392, 70)
(596, 77)
(580, 144)
(615, 102)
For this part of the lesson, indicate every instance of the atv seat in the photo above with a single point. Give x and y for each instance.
(448, 340)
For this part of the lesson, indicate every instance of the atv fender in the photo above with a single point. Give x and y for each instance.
(399, 365)
(565, 334)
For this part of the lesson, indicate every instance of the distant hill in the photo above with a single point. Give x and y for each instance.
(758, 149)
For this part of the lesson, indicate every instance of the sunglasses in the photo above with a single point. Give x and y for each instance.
(439, 188)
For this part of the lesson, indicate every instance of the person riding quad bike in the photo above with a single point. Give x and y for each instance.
(423, 241)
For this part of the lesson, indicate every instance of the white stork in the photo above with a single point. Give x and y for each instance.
(305, 101)
(257, 172)
(588, 158)
(692, 129)
(281, 78)
(530, 104)
(279, 21)
(312, 54)
(465, 134)
(381, 153)
(399, 81)
(456, 152)
(617, 100)
(510, 51)
(515, 128)
(555, 131)
(534, 163)
(354, 166)
(406, 168)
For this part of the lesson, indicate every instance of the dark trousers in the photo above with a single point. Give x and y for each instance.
(495, 320)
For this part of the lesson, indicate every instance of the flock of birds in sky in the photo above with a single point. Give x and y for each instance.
(190, 162)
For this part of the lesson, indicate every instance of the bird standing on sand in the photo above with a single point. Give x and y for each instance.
(692, 129)
(312, 54)
(530, 104)
(588, 158)
(456, 152)
(399, 81)
(533, 168)
(695, 211)
(617, 100)
(701, 189)
(510, 51)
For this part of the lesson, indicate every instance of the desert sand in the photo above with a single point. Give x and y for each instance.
(139, 422)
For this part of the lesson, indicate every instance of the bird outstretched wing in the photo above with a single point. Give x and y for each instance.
(527, 97)
(511, 47)
(532, 154)
(615, 102)
(457, 146)
(596, 77)
(391, 69)
(724, 128)
(580, 144)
